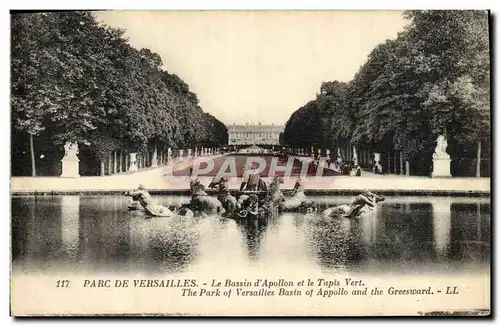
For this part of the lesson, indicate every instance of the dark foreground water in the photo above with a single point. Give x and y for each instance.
(97, 234)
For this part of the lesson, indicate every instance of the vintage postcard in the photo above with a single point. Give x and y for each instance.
(250, 163)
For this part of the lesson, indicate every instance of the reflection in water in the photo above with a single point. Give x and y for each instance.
(97, 233)
(406, 237)
(168, 244)
(70, 219)
(335, 241)
(253, 231)
(369, 227)
(470, 232)
(42, 236)
(441, 218)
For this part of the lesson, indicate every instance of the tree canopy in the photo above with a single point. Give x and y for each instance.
(433, 79)
(75, 79)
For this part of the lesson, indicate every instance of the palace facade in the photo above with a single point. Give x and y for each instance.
(254, 134)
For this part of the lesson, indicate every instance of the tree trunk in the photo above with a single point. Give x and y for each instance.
(395, 162)
(478, 163)
(110, 171)
(121, 162)
(102, 168)
(479, 233)
(115, 163)
(32, 152)
(388, 162)
(407, 168)
(401, 172)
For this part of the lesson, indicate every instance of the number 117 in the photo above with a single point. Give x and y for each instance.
(62, 283)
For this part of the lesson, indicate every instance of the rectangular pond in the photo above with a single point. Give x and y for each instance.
(404, 235)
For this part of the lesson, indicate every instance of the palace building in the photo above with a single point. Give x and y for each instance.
(254, 134)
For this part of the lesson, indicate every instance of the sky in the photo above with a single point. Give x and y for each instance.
(257, 66)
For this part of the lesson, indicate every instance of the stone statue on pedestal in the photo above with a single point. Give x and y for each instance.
(354, 156)
(377, 167)
(440, 159)
(169, 155)
(154, 159)
(133, 163)
(70, 161)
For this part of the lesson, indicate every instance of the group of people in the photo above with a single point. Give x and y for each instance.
(346, 168)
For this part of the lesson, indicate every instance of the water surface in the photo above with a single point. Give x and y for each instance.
(97, 234)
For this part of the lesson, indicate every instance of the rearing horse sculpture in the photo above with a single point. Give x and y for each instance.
(224, 196)
(355, 210)
(297, 199)
(274, 197)
(200, 200)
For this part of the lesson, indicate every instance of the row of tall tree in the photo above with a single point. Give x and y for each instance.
(433, 79)
(75, 79)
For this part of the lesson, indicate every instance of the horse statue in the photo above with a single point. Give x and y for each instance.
(251, 206)
(274, 196)
(363, 202)
(297, 198)
(201, 201)
(228, 201)
(141, 201)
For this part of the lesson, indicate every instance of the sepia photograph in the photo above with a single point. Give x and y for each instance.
(250, 163)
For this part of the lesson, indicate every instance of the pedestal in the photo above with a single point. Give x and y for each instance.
(154, 160)
(377, 168)
(133, 163)
(70, 161)
(70, 168)
(441, 167)
(169, 155)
